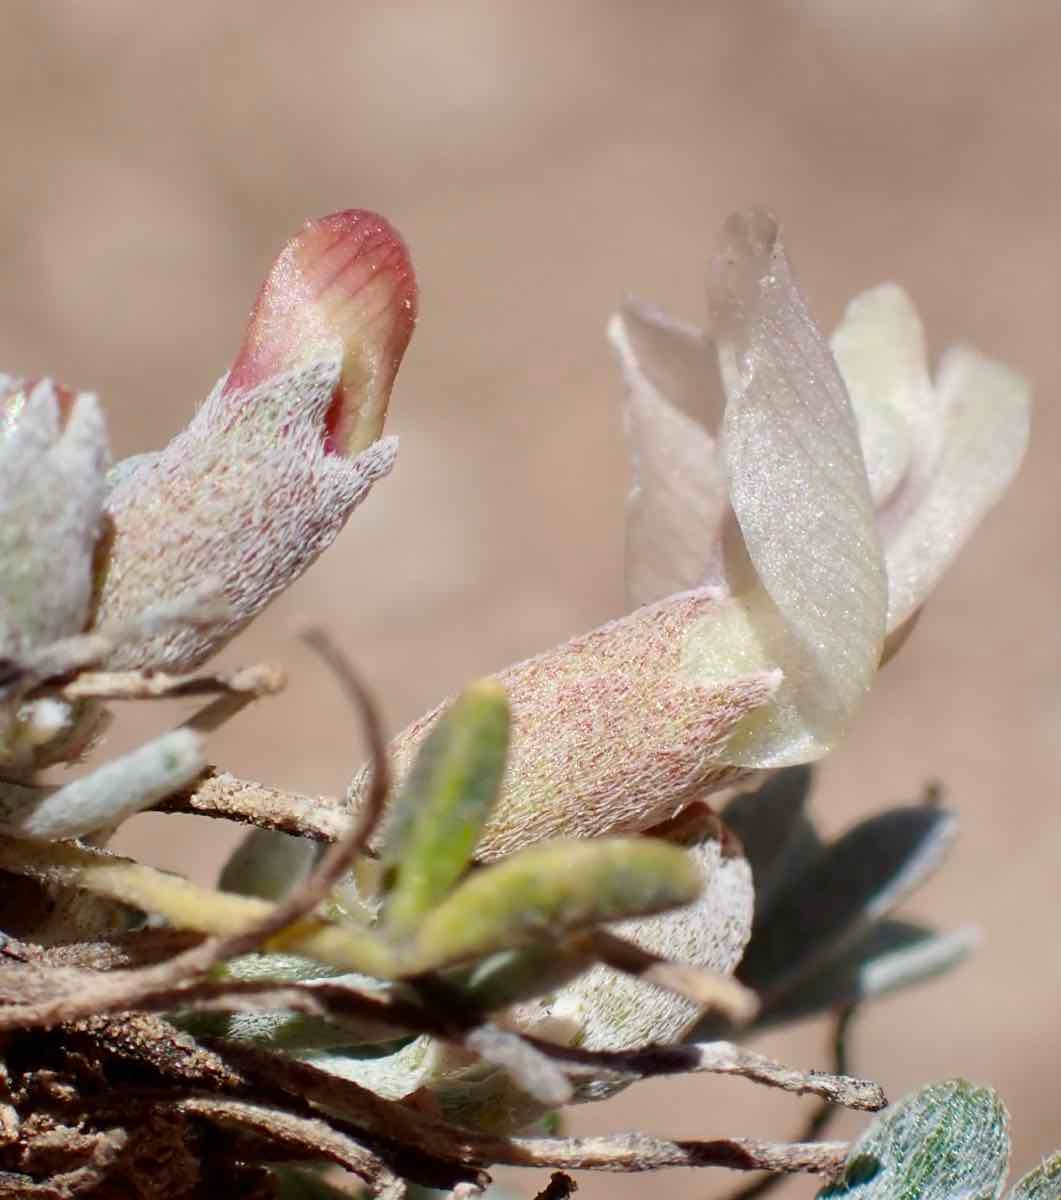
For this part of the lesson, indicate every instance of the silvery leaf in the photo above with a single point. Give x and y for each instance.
(892, 955)
(854, 882)
(949, 1141)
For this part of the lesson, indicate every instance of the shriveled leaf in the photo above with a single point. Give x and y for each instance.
(1043, 1183)
(549, 889)
(678, 498)
(855, 881)
(949, 1141)
(443, 803)
(268, 864)
(811, 597)
(892, 955)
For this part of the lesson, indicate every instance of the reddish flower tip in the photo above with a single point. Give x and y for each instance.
(346, 281)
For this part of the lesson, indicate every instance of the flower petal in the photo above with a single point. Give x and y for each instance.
(986, 413)
(880, 349)
(678, 499)
(345, 280)
(809, 582)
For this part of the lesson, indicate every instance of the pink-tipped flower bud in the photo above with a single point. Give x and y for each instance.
(271, 466)
(345, 280)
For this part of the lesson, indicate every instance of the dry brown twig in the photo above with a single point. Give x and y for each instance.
(310, 1136)
(560, 1187)
(219, 794)
(256, 681)
(820, 1119)
(132, 989)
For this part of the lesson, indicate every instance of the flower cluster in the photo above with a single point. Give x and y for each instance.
(530, 899)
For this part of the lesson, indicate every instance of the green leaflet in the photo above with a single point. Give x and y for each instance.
(294, 1031)
(549, 889)
(949, 1141)
(1044, 1183)
(439, 813)
(267, 864)
(512, 976)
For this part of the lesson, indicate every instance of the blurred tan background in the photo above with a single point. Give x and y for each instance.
(543, 160)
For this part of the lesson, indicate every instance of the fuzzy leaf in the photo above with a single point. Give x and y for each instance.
(609, 736)
(511, 976)
(547, 890)
(268, 864)
(949, 1141)
(1043, 1183)
(775, 831)
(106, 796)
(292, 1031)
(53, 460)
(186, 905)
(892, 955)
(855, 881)
(443, 803)
(615, 1011)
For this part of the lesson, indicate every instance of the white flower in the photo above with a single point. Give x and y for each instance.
(821, 525)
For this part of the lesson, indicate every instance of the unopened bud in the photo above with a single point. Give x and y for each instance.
(344, 281)
(271, 466)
